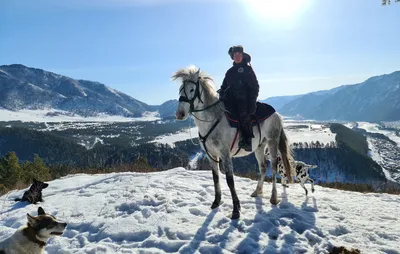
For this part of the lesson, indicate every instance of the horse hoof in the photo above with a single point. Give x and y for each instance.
(274, 201)
(254, 194)
(214, 205)
(235, 215)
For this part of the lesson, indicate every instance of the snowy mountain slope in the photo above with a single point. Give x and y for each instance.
(22, 87)
(169, 211)
(385, 151)
(376, 99)
(279, 101)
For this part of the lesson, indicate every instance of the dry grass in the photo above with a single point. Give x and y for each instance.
(343, 250)
(145, 168)
(134, 167)
(363, 188)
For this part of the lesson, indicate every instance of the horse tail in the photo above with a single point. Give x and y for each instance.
(286, 154)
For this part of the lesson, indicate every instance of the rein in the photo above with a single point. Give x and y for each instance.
(197, 95)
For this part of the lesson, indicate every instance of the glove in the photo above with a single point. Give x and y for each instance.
(221, 94)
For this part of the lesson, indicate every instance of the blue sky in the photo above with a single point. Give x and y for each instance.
(135, 45)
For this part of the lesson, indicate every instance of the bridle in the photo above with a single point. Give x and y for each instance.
(197, 95)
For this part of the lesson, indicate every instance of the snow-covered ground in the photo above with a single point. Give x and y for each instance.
(49, 115)
(193, 161)
(170, 139)
(169, 211)
(374, 128)
(377, 157)
(314, 132)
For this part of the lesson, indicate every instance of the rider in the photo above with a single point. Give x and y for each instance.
(239, 91)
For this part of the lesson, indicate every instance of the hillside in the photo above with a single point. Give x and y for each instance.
(376, 99)
(22, 87)
(169, 211)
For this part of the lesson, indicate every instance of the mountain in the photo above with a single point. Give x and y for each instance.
(376, 99)
(168, 108)
(279, 101)
(22, 87)
(169, 212)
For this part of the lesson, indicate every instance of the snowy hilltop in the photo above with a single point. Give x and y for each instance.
(169, 211)
(36, 89)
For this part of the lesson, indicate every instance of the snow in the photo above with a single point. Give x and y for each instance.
(315, 132)
(169, 211)
(374, 128)
(113, 91)
(349, 125)
(374, 154)
(88, 145)
(26, 115)
(194, 160)
(170, 139)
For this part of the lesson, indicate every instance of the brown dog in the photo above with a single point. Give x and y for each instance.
(32, 238)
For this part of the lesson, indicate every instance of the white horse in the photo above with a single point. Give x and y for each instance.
(218, 138)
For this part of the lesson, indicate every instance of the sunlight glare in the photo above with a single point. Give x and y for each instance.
(276, 10)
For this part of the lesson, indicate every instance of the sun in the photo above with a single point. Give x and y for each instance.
(276, 10)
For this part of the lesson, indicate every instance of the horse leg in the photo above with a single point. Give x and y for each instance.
(228, 166)
(262, 166)
(217, 187)
(283, 181)
(273, 150)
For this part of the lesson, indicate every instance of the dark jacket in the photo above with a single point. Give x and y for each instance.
(240, 88)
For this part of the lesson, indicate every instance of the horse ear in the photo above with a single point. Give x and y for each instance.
(198, 74)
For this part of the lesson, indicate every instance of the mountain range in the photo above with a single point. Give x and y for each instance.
(376, 99)
(21, 87)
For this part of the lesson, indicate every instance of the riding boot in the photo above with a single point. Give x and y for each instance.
(246, 133)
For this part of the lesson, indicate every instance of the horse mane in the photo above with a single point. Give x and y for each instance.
(193, 73)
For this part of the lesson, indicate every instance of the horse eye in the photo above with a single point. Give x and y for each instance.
(191, 90)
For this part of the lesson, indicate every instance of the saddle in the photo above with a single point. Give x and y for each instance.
(263, 112)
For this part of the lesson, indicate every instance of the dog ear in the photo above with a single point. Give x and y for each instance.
(41, 211)
(31, 220)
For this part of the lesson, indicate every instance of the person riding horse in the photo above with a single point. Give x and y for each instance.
(239, 92)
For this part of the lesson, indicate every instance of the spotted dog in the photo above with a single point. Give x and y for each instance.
(301, 173)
